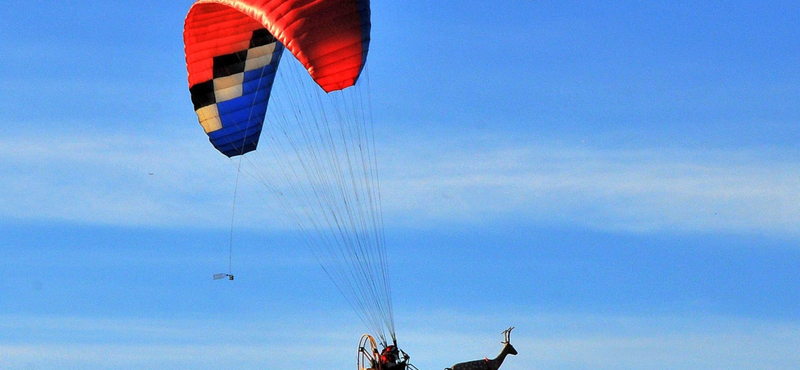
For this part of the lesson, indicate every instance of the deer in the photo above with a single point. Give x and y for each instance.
(486, 363)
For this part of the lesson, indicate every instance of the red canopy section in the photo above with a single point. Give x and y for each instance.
(329, 37)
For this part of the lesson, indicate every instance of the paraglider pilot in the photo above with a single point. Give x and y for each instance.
(390, 358)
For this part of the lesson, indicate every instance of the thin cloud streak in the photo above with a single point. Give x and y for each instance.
(105, 343)
(558, 341)
(636, 190)
(544, 341)
(147, 181)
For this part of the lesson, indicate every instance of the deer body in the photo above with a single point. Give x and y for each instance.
(489, 364)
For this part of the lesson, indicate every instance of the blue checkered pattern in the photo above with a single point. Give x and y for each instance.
(231, 107)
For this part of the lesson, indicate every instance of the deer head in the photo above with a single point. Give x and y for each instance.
(508, 348)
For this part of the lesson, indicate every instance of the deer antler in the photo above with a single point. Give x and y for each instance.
(507, 335)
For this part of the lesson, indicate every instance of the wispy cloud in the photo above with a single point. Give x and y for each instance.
(559, 341)
(108, 179)
(143, 180)
(440, 339)
(641, 189)
(131, 343)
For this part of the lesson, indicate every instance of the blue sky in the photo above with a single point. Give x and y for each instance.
(618, 181)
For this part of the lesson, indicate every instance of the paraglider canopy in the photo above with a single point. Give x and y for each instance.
(320, 163)
(233, 48)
